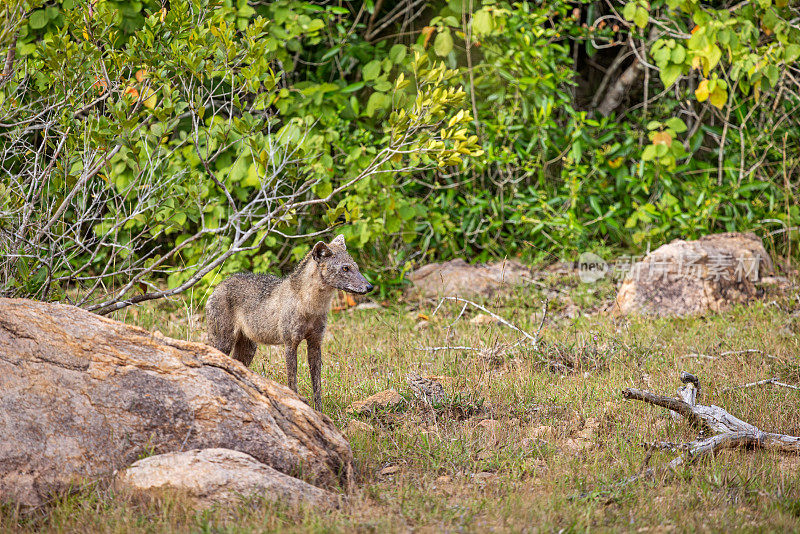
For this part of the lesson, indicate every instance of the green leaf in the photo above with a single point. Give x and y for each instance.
(773, 74)
(649, 153)
(376, 102)
(38, 19)
(332, 52)
(482, 23)
(677, 125)
(315, 25)
(353, 87)
(371, 70)
(406, 212)
(641, 17)
(179, 218)
(669, 74)
(662, 56)
(443, 44)
(678, 54)
(629, 11)
(397, 53)
(383, 85)
(323, 189)
(792, 52)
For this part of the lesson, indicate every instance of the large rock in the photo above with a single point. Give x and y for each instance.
(459, 278)
(688, 277)
(211, 476)
(83, 396)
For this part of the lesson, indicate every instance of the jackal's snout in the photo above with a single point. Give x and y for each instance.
(357, 284)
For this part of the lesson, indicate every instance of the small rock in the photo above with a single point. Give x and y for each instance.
(210, 476)
(781, 282)
(389, 470)
(485, 454)
(589, 429)
(542, 432)
(426, 390)
(533, 465)
(369, 305)
(484, 476)
(492, 425)
(483, 318)
(577, 446)
(384, 400)
(442, 379)
(355, 426)
(491, 429)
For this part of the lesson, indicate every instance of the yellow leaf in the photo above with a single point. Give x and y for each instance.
(615, 163)
(151, 101)
(718, 97)
(702, 91)
(427, 31)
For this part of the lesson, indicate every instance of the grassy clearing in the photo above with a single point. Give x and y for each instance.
(563, 436)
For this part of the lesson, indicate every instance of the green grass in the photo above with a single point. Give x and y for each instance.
(456, 475)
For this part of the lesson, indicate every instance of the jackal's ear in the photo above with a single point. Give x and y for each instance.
(339, 241)
(321, 251)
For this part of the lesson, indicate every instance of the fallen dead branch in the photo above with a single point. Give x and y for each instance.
(732, 432)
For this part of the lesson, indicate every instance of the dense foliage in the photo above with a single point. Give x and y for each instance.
(581, 124)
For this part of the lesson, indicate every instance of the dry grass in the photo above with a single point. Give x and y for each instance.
(563, 437)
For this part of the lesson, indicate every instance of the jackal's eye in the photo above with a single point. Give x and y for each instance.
(346, 269)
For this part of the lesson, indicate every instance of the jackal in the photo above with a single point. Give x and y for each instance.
(248, 308)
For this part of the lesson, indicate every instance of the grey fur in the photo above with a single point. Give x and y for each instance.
(248, 308)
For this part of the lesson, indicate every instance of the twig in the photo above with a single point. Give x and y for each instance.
(745, 351)
(533, 339)
(773, 380)
(436, 349)
(544, 315)
(698, 355)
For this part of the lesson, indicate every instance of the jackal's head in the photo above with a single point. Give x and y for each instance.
(338, 269)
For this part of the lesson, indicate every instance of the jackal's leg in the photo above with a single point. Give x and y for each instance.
(243, 350)
(315, 366)
(291, 365)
